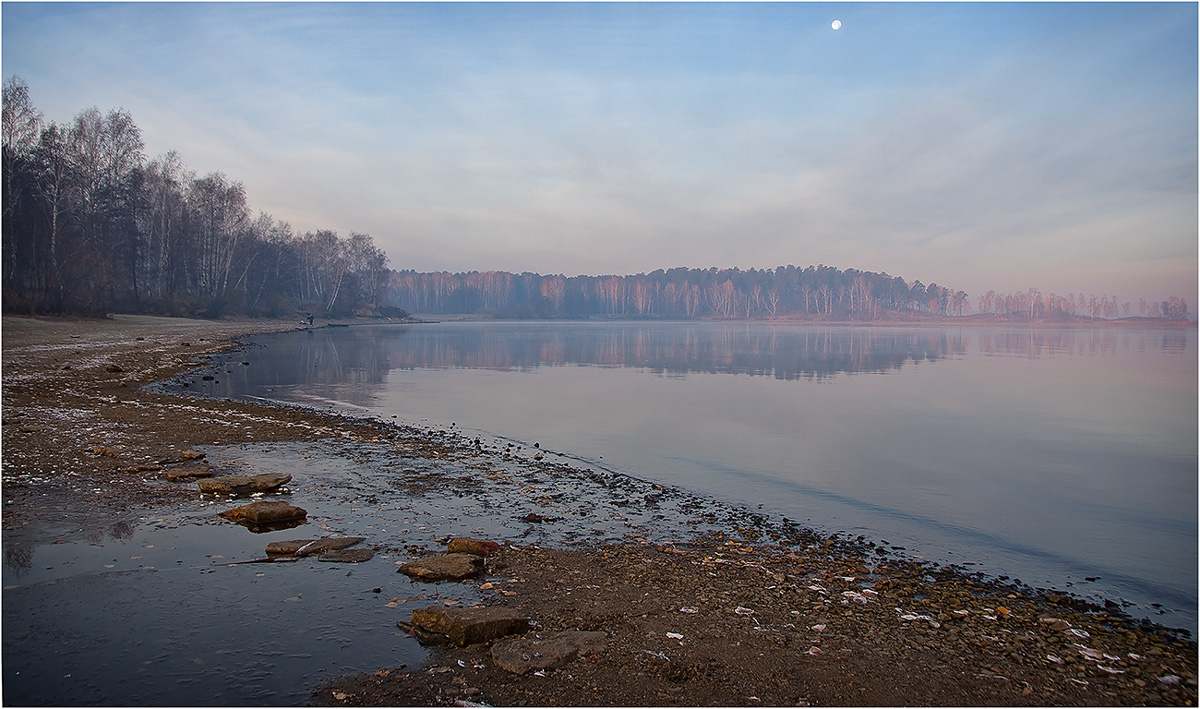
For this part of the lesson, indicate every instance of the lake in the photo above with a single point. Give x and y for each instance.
(1062, 457)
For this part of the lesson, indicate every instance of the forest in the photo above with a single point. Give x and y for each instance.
(92, 226)
(814, 293)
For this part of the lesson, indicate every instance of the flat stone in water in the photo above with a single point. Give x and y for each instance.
(352, 556)
(466, 626)
(288, 547)
(189, 472)
(469, 545)
(242, 484)
(265, 513)
(311, 547)
(447, 567)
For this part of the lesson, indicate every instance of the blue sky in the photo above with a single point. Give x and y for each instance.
(977, 145)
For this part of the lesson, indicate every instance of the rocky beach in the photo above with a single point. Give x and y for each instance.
(616, 592)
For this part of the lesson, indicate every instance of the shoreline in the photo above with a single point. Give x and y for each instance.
(1132, 323)
(959, 660)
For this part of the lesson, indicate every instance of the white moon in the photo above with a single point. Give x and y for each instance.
(837, 24)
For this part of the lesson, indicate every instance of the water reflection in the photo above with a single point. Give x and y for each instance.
(783, 353)
(18, 557)
(1038, 342)
(353, 356)
(1069, 452)
(356, 360)
(21, 544)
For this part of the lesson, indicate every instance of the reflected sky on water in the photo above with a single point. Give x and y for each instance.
(1049, 455)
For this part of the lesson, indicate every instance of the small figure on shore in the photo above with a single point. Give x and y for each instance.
(309, 317)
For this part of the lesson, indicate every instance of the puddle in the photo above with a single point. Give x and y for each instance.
(148, 612)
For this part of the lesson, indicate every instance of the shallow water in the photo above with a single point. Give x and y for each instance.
(1064, 458)
(145, 611)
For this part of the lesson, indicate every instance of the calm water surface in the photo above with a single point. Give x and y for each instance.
(1064, 458)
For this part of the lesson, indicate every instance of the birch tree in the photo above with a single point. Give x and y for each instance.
(54, 185)
(218, 214)
(21, 128)
(554, 290)
(641, 296)
(162, 225)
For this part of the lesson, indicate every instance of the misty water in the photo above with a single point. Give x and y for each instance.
(1064, 458)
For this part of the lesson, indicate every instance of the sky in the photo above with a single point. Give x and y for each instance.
(977, 145)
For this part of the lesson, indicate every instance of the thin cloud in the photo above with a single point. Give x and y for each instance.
(975, 145)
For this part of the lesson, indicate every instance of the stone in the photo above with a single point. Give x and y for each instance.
(467, 626)
(265, 513)
(546, 651)
(311, 547)
(468, 545)
(349, 556)
(447, 567)
(289, 547)
(535, 518)
(114, 369)
(242, 484)
(143, 468)
(189, 472)
(1057, 624)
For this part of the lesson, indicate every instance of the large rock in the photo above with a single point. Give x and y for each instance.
(466, 626)
(261, 514)
(447, 567)
(242, 484)
(311, 547)
(468, 545)
(546, 651)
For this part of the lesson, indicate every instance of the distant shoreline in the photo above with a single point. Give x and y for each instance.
(921, 320)
(893, 320)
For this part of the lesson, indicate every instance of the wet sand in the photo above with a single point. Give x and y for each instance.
(700, 604)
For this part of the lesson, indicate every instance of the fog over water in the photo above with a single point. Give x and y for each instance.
(1065, 457)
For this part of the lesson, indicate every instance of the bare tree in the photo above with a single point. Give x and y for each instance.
(105, 152)
(691, 299)
(641, 296)
(21, 126)
(554, 290)
(22, 123)
(219, 215)
(54, 184)
(720, 298)
(824, 291)
(163, 224)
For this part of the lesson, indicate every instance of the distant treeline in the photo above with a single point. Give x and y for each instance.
(820, 291)
(816, 292)
(91, 226)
